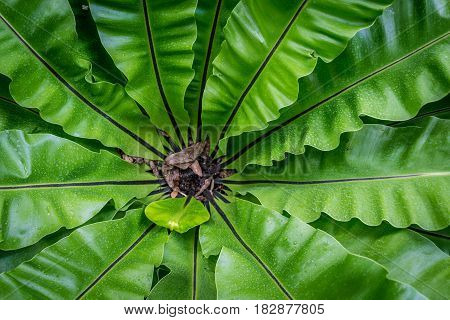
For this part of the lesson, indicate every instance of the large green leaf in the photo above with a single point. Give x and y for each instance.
(269, 45)
(151, 43)
(211, 17)
(191, 274)
(177, 214)
(388, 71)
(11, 259)
(95, 262)
(39, 53)
(264, 255)
(379, 173)
(409, 257)
(47, 182)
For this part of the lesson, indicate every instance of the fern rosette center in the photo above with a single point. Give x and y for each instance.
(190, 173)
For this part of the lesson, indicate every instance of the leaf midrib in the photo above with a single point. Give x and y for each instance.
(206, 67)
(344, 180)
(76, 93)
(158, 75)
(367, 77)
(79, 184)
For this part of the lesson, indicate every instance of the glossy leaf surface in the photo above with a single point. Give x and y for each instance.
(409, 257)
(103, 67)
(86, 265)
(48, 73)
(15, 117)
(177, 214)
(269, 45)
(440, 238)
(11, 259)
(41, 191)
(264, 255)
(211, 17)
(187, 265)
(151, 42)
(379, 173)
(389, 71)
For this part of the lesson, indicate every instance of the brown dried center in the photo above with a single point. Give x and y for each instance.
(192, 172)
(189, 172)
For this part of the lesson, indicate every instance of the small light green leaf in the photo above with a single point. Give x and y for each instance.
(175, 214)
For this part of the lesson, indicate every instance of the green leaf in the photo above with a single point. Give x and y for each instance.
(187, 265)
(269, 45)
(11, 259)
(409, 257)
(15, 117)
(39, 55)
(439, 109)
(264, 255)
(151, 43)
(211, 17)
(440, 238)
(388, 71)
(177, 214)
(47, 182)
(95, 262)
(400, 175)
(103, 67)
(4, 89)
